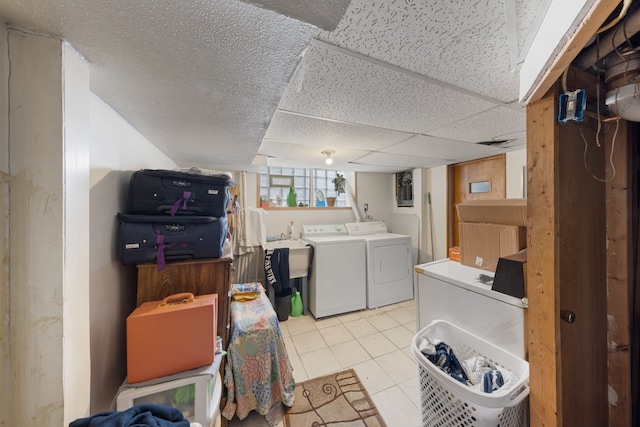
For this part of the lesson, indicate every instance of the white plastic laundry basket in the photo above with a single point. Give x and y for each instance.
(447, 402)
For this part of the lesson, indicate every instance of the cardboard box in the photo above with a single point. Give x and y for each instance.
(454, 253)
(499, 211)
(170, 336)
(481, 245)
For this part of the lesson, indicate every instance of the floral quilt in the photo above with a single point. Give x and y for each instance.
(258, 372)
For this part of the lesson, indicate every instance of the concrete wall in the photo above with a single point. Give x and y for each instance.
(516, 174)
(375, 189)
(5, 383)
(63, 312)
(436, 185)
(76, 362)
(116, 150)
(48, 239)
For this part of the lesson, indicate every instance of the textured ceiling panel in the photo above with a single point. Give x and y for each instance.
(305, 155)
(203, 74)
(496, 124)
(401, 161)
(337, 86)
(438, 148)
(201, 79)
(294, 128)
(460, 42)
(322, 14)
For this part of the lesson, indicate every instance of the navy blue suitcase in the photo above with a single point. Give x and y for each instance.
(165, 192)
(160, 238)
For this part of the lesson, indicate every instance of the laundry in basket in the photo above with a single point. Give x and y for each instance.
(447, 401)
(477, 371)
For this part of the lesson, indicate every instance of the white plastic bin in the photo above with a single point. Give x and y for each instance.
(446, 402)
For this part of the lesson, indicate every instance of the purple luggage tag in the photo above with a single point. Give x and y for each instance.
(186, 196)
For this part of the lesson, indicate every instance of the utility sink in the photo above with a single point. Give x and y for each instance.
(299, 256)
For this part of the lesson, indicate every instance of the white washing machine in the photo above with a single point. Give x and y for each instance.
(389, 263)
(462, 295)
(338, 271)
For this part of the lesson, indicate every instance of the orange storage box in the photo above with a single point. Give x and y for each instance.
(170, 336)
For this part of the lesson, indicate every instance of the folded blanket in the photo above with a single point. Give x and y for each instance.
(138, 416)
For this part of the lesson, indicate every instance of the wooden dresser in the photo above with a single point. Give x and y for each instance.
(204, 276)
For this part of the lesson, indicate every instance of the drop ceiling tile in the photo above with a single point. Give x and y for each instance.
(382, 159)
(334, 85)
(439, 148)
(180, 72)
(495, 124)
(325, 15)
(513, 145)
(359, 167)
(282, 154)
(294, 128)
(460, 42)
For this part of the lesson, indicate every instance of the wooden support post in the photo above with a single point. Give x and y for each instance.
(542, 334)
(619, 271)
(566, 270)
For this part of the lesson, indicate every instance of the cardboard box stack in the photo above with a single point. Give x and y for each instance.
(491, 229)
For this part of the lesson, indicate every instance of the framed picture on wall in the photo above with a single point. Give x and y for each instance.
(404, 189)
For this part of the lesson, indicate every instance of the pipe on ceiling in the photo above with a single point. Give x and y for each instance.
(627, 29)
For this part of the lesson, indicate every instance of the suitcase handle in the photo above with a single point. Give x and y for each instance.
(181, 298)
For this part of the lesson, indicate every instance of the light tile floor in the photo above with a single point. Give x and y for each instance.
(376, 343)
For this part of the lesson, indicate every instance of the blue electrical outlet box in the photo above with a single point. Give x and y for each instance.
(572, 105)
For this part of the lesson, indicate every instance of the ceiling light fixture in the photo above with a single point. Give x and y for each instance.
(328, 153)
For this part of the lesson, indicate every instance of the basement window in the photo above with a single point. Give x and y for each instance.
(314, 188)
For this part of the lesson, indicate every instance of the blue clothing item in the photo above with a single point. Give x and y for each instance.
(446, 360)
(139, 416)
(492, 381)
(276, 268)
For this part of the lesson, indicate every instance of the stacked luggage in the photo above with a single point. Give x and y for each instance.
(174, 216)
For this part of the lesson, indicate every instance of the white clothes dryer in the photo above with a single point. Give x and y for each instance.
(338, 270)
(389, 263)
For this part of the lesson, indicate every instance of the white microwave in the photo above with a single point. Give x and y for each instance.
(198, 397)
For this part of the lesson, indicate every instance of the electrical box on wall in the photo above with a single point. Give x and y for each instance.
(572, 106)
(404, 189)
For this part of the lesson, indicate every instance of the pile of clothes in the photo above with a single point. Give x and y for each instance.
(476, 372)
(145, 415)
